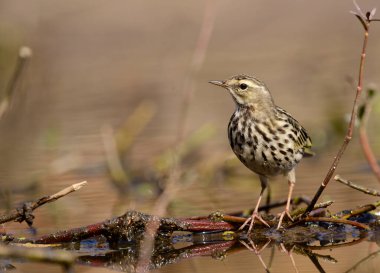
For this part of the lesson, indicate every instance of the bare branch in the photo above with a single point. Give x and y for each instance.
(25, 53)
(363, 136)
(188, 90)
(25, 213)
(356, 186)
(337, 220)
(351, 125)
(358, 9)
(64, 192)
(196, 63)
(117, 172)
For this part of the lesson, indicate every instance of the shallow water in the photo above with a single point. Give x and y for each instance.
(94, 63)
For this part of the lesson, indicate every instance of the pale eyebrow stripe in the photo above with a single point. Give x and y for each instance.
(249, 83)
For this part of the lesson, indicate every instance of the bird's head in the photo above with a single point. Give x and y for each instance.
(246, 90)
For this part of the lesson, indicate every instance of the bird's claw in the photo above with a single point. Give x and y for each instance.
(282, 216)
(251, 220)
(252, 247)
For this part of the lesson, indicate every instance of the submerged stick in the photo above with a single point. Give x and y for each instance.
(336, 220)
(61, 257)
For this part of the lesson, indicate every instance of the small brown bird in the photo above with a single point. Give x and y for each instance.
(266, 139)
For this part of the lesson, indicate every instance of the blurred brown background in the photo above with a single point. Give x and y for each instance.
(95, 61)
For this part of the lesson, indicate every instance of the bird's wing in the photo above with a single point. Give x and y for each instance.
(303, 140)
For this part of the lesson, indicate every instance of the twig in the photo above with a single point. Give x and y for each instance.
(365, 22)
(237, 219)
(339, 221)
(116, 145)
(196, 63)
(295, 201)
(299, 249)
(296, 212)
(63, 192)
(130, 226)
(171, 187)
(134, 125)
(356, 186)
(360, 210)
(25, 213)
(152, 226)
(370, 256)
(24, 54)
(118, 174)
(368, 152)
(316, 263)
(126, 258)
(333, 246)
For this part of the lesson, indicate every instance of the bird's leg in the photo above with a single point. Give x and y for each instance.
(290, 253)
(268, 199)
(255, 214)
(252, 247)
(291, 183)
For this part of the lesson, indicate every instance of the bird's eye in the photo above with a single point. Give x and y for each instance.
(243, 86)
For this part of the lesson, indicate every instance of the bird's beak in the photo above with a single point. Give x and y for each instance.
(218, 83)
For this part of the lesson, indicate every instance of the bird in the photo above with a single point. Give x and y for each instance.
(264, 137)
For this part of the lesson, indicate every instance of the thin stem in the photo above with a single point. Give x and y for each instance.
(335, 220)
(363, 136)
(316, 263)
(333, 246)
(25, 214)
(351, 125)
(117, 172)
(365, 259)
(196, 64)
(171, 186)
(346, 182)
(24, 54)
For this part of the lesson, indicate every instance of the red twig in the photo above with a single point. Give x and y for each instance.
(372, 161)
(368, 153)
(336, 220)
(131, 225)
(365, 22)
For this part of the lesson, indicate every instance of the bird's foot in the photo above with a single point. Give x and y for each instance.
(282, 216)
(252, 247)
(251, 220)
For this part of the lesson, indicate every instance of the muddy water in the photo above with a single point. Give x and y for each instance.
(95, 62)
